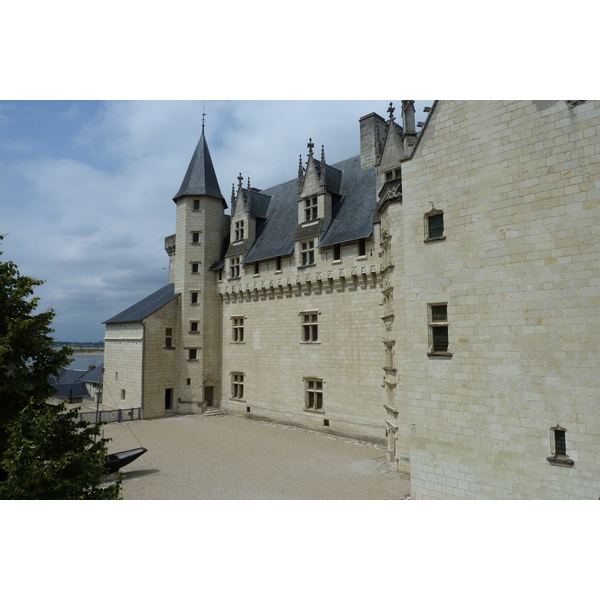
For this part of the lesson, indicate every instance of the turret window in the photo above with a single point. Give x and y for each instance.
(195, 237)
(196, 205)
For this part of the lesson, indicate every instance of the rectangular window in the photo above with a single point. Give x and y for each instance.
(558, 447)
(337, 252)
(307, 252)
(193, 297)
(311, 211)
(234, 267)
(192, 353)
(237, 386)
(435, 226)
(168, 338)
(310, 327)
(362, 247)
(239, 231)
(560, 442)
(122, 394)
(195, 237)
(256, 268)
(438, 329)
(194, 326)
(238, 329)
(278, 263)
(195, 267)
(196, 205)
(314, 394)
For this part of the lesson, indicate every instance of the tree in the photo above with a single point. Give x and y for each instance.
(31, 430)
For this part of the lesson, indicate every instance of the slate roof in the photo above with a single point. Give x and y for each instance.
(200, 178)
(144, 308)
(65, 390)
(93, 375)
(352, 217)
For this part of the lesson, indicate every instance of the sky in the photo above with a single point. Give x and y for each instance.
(86, 187)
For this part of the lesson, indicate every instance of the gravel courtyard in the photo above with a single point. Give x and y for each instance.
(231, 458)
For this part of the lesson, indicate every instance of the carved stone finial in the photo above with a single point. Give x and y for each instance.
(233, 192)
(203, 115)
(300, 168)
(391, 110)
(310, 146)
(323, 155)
(248, 184)
(240, 179)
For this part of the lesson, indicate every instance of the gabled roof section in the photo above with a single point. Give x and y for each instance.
(200, 178)
(144, 308)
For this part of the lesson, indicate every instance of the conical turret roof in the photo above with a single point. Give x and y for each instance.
(200, 178)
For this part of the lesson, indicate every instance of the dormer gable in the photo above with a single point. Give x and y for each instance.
(248, 213)
(389, 174)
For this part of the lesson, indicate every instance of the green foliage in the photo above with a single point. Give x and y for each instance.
(53, 456)
(44, 452)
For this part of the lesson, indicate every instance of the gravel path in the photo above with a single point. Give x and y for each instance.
(231, 458)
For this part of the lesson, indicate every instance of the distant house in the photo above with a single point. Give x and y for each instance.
(77, 385)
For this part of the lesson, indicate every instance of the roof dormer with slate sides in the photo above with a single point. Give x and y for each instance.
(318, 192)
(248, 214)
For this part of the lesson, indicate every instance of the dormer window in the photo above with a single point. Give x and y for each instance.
(311, 211)
(307, 252)
(234, 267)
(239, 231)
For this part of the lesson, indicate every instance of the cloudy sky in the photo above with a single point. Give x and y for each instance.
(86, 187)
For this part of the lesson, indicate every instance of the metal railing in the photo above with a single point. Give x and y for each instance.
(112, 416)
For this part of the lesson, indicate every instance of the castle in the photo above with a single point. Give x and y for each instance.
(438, 293)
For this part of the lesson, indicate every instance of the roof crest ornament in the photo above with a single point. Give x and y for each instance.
(203, 115)
(323, 154)
(310, 147)
(391, 110)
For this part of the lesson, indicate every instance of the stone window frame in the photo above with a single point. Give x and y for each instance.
(307, 253)
(428, 222)
(437, 327)
(309, 326)
(393, 174)
(195, 267)
(194, 297)
(238, 323)
(238, 230)
(311, 209)
(558, 448)
(238, 381)
(192, 353)
(314, 394)
(195, 235)
(169, 338)
(194, 327)
(235, 265)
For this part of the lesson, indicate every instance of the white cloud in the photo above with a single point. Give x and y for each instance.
(87, 200)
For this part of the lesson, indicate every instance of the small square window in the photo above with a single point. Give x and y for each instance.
(194, 326)
(314, 394)
(195, 237)
(195, 267)
(193, 297)
(192, 353)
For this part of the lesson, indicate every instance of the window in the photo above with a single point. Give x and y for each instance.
(256, 268)
(337, 252)
(220, 275)
(238, 329)
(434, 225)
(438, 329)
(237, 386)
(195, 237)
(192, 354)
(188, 381)
(558, 447)
(194, 327)
(314, 394)
(193, 297)
(311, 211)
(234, 267)
(362, 247)
(195, 267)
(168, 338)
(394, 174)
(310, 327)
(239, 231)
(168, 398)
(122, 394)
(278, 263)
(196, 205)
(307, 253)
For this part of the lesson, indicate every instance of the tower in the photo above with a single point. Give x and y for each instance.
(199, 235)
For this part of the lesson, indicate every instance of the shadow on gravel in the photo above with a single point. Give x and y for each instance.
(141, 473)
